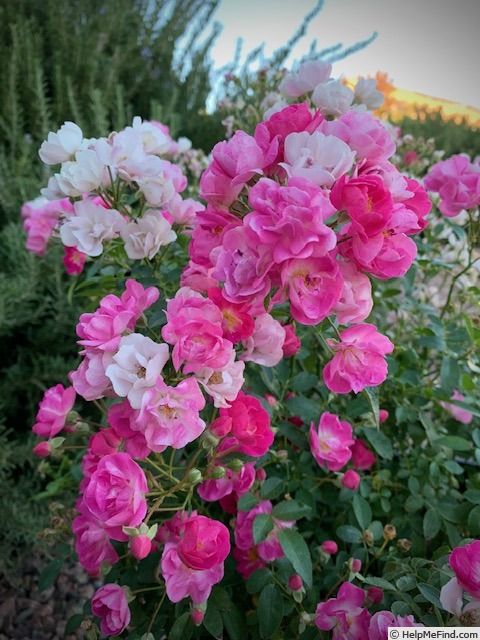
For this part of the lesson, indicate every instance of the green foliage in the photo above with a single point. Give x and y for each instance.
(449, 135)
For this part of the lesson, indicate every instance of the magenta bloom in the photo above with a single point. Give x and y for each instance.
(344, 614)
(270, 548)
(73, 261)
(462, 415)
(204, 544)
(362, 457)
(359, 361)
(110, 604)
(116, 494)
(248, 561)
(53, 410)
(380, 621)
(350, 479)
(465, 561)
(457, 182)
(92, 542)
(237, 323)
(250, 425)
(330, 442)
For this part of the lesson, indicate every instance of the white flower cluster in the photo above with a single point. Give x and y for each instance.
(328, 94)
(102, 174)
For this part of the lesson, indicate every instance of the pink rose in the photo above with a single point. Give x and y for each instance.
(380, 621)
(465, 561)
(462, 415)
(344, 614)
(111, 605)
(330, 442)
(350, 479)
(250, 425)
(359, 361)
(54, 408)
(116, 494)
(73, 261)
(292, 343)
(92, 542)
(362, 457)
(270, 548)
(330, 547)
(204, 544)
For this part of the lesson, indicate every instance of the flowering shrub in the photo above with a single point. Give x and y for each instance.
(245, 473)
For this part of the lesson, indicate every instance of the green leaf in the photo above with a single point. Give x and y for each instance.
(262, 525)
(303, 407)
(431, 523)
(303, 381)
(453, 467)
(449, 373)
(290, 510)
(50, 574)
(456, 443)
(474, 521)
(371, 393)
(362, 511)
(182, 628)
(413, 503)
(234, 623)
(347, 533)
(406, 583)
(257, 580)
(272, 488)
(297, 551)
(380, 443)
(247, 502)
(432, 594)
(213, 621)
(472, 495)
(270, 610)
(73, 623)
(380, 582)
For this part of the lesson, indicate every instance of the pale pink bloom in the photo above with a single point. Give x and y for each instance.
(182, 581)
(158, 190)
(154, 140)
(457, 181)
(288, 221)
(92, 542)
(56, 404)
(184, 211)
(292, 343)
(137, 299)
(121, 418)
(359, 361)
(366, 93)
(332, 98)
(344, 614)
(89, 379)
(124, 153)
(308, 75)
(73, 261)
(250, 425)
(362, 457)
(330, 547)
(62, 145)
(465, 561)
(380, 621)
(222, 385)
(169, 416)
(363, 133)
(198, 277)
(313, 286)
(144, 236)
(91, 226)
(330, 442)
(40, 219)
(83, 175)
(316, 157)
(136, 366)
(204, 543)
(356, 302)
(458, 413)
(194, 328)
(207, 237)
(270, 548)
(350, 479)
(103, 329)
(116, 494)
(451, 596)
(110, 604)
(265, 345)
(52, 191)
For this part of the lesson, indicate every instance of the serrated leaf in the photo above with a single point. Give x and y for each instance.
(257, 580)
(272, 488)
(297, 551)
(270, 610)
(362, 511)
(380, 443)
(456, 443)
(182, 628)
(380, 582)
(262, 525)
(50, 574)
(431, 523)
(347, 533)
(247, 502)
(213, 621)
(406, 583)
(290, 510)
(432, 594)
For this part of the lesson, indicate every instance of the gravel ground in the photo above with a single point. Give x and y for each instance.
(26, 614)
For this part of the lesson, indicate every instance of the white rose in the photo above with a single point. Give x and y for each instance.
(61, 146)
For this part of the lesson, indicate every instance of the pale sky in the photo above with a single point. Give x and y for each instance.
(429, 46)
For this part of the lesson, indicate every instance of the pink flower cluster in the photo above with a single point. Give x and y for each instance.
(457, 182)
